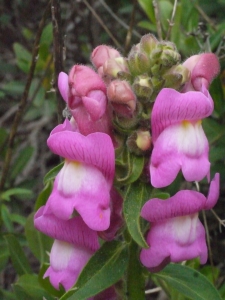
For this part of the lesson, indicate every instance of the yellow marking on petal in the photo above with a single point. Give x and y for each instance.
(100, 216)
(185, 123)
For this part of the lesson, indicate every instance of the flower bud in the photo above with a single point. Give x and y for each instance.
(142, 87)
(101, 54)
(176, 77)
(148, 43)
(122, 97)
(157, 83)
(139, 63)
(82, 80)
(204, 68)
(170, 58)
(139, 142)
(134, 49)
(165, 54)
(115, 67)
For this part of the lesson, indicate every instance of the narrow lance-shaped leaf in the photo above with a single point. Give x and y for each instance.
(104, 269)
(189, 282)
(29, 284)
(17, 255)
(39, 243)
(52, 173)
(135, 197)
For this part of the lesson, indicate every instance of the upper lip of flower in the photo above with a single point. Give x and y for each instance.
(94, 149)
(185, 202)
(172, 107)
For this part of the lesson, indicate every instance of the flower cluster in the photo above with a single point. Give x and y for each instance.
(179, 141)
(148, 104)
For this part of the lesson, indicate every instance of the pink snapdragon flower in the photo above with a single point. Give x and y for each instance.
(179, 140)
(74, 244)
(176, 234)
(85, 93)
(204, 68)
(84, 183)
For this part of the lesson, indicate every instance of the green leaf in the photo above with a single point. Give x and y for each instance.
(37, 93)
(47, 35)
(189, 282)
(214, 131)
(17, 255)
(130, 171)
(147, 25)
(104, 269)
(135, 197)
(4, 255)
(14, 87)
(165, 8)
(25, 193)
(30, 285)
(6, 218)
(18, 219)
(148, 8)
(39, 243)
(23, 57)
(21, 161)
(44, 195)
(52, 173)
(6, 295)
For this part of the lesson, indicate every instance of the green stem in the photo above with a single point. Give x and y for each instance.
(135, 275)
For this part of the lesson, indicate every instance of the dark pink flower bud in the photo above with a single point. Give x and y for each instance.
(204, 68)
(87, 88)
(122, 97)
(101, 54)
(85, 93)
(82, 80)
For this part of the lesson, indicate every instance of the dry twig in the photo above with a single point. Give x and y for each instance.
(157, 16)
(171, 23)
(102, 24)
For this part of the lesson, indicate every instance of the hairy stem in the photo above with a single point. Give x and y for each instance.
(135, 275)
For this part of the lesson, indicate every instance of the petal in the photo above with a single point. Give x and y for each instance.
(207, 67)
(95, 149)
(86, 125)
(95, 103)
(63, 85)
(172, 107)
(66, 126)
(83, 80)
(82, 188)
(213, 194)
(179, 147)
(73, 231)
(181, 204)
(66, 263)
(174, 240)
